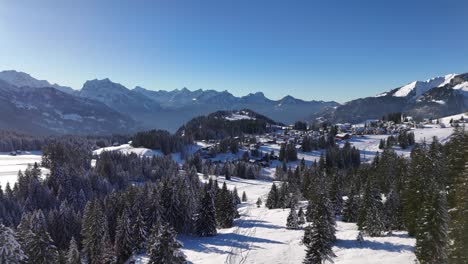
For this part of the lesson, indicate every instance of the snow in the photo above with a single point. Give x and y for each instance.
(395, 248)
(423, 86)
(242, 115)
(10, 165)
(446, 120)
(145, 152)
(462, 87)
(369, 144)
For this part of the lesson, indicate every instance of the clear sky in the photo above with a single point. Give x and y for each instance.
(328, 50)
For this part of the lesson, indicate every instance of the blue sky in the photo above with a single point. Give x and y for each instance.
(326, 50)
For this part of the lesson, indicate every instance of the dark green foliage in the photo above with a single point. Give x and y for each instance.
(225, 211)
(288, 152)
(216, 126)
(205, 220)
(160, 139)
(273, 198)
(163, 247)
(292, 222)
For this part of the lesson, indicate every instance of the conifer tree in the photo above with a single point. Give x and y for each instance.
(293, 220)
(457, 155)
(10, 249)
(371, 211)
(224, 209)
(164, 247)
(205, 220)
(73, 254)
(432, 237)
(95, 232)
(350, 209)
(139, 231)
(319, 247)
(259, 202)
(244, 197)
(236, 197)
(39, 245)
(272, 200)
(124, 242)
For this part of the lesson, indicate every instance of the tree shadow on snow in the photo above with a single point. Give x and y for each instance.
(209, 244)
(259, 223)
(374, 245)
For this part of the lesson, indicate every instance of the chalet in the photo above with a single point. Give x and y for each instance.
(343, 136)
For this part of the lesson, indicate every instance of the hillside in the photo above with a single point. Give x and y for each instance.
(224, 124)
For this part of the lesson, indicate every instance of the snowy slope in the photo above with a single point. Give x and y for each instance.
(420, 87)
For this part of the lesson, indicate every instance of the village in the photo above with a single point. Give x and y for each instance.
(262, 149)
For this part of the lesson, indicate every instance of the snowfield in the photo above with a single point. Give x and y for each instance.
(10, 165)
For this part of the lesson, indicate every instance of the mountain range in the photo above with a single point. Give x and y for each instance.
(436, 97)
(104, 107)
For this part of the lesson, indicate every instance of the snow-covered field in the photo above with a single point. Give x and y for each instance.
(10, 165)
(260, 236)
(145, 152)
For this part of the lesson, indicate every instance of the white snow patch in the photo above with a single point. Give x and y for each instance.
(421, 87)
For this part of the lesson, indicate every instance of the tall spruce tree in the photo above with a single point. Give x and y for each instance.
(318, 247)
(164, 247)
(73, 254)
(124, 243)
(205, 220)
(273, 197)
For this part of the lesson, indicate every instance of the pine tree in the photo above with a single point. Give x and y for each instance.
(259, 202)
(272, 200)
(205, 220)
(319, 247)
(10, 249)
(224, 209)
(457, 150)
(124, 242)
(95, 232)
(293, 220)
(244, 197)
(73, 255)
(139, 231)
(164, 247)
(371, 211)
(37, 243)
(350, 209)
(432, 237)
(236, 197)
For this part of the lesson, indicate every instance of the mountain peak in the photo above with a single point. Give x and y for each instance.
(22, 79)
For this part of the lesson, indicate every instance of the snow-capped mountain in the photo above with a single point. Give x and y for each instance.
(417, 88)
(22, 79)
(50, 111)
(439, 96)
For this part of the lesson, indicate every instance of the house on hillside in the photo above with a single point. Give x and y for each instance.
(343, 136)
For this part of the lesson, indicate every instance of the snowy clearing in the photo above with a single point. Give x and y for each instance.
(10, 165)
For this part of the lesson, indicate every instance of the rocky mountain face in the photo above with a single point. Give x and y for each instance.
(440, 96)
(50, 111)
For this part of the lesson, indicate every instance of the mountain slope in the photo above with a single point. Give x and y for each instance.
(433, 98)
(21, 79)
(50, 111)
